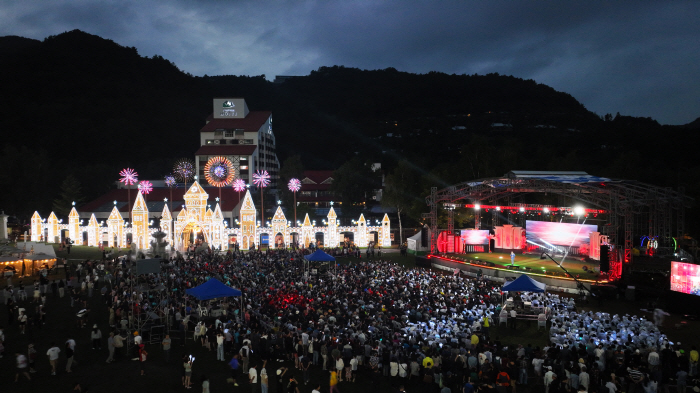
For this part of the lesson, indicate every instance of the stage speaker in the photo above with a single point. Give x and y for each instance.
(604, 258)
(424, 237)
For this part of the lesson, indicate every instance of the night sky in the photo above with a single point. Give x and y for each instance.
(639, 58)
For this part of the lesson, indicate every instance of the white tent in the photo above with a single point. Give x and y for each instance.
(414, 244)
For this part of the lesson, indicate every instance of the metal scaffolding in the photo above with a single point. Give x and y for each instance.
(630, 206)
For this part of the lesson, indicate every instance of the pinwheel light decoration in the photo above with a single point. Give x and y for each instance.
(170, 181)
(145, 187)
(262, 180)
(219, 172)
(128, 177)
(294, 185)
(239, 186)
(184, 170)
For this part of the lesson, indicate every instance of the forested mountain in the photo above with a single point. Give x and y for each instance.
(79, 104)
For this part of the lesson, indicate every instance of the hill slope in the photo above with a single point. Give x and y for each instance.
(81, 104)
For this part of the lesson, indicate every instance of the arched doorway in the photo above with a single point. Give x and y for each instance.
(85, 238)
(279, 240)
(192, 234)
(319, 239)
(295, 239)
(348, 238)
(373, 238)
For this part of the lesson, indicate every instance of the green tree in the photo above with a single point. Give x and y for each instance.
(353, 182)
(479, 157)
(71, 191)
(401, 191)
(292, 167)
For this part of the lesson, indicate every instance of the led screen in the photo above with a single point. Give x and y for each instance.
(547, 234)
(472, 236)
(685, 277)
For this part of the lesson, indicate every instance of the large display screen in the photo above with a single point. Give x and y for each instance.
(685, 278)
(473, 236)
(548, 234)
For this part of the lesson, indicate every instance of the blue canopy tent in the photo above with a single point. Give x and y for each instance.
(212, 289)
(319, 256)
(524, 283)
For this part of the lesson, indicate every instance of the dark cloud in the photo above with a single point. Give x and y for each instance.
(639, 58)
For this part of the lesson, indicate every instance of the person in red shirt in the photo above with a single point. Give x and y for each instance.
(142, 359)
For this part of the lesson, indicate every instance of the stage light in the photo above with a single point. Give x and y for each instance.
(546, 210)
(498, 208)
(522, 209)
(578, 210)
(477, 207)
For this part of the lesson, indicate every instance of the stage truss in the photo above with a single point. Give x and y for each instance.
(650, 211)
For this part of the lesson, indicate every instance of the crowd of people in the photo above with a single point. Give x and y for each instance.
(369, 319)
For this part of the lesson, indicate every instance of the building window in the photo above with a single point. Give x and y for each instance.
(229, 134)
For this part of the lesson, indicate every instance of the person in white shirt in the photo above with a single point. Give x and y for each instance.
(52, 353)
(513, 318)
(263, 378)
(253, 378)
(548, 378)
(220, 346)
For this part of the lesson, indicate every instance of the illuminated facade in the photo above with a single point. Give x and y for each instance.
(242, 136)
(197, 221)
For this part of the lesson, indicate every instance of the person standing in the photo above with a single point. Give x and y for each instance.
(110, 347)
(31, 357)
(69, 357)
(118, 345)
(142, 358)
(334, 382)
(305, 364)
(235, 365)
(188, 372)
(22, 318)
(512, 258)
(166, 347)
(21, 367)
(253, 378)
(220, 346)
(52, 353)
(245, 356)
(96, 336)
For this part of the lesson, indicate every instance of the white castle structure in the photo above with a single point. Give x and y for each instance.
(195, 219)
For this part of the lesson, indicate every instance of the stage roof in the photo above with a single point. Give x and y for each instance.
(558, 176)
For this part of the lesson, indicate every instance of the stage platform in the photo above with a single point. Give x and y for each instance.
(496, 266)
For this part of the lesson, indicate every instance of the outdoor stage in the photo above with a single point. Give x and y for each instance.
(497, 266)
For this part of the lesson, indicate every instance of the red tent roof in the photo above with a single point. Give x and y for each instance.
(317, 176)
(105, 202)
